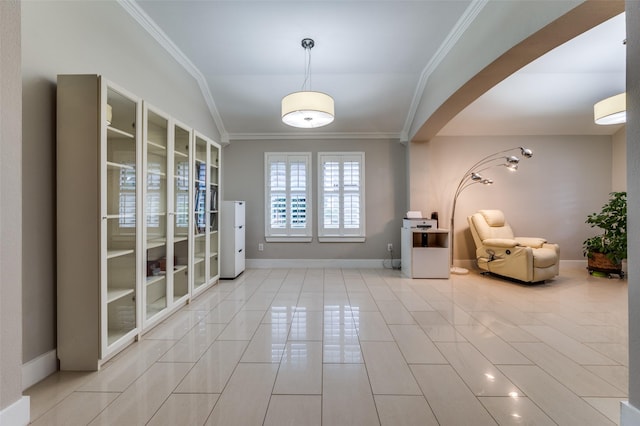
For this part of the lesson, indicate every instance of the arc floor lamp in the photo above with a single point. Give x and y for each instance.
(474, 176)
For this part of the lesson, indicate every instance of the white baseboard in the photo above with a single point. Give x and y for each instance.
(39, 368)
(469, 264)
(318, 263)
(17, 413)
(360, 263)
(629, 415)
(582, 263)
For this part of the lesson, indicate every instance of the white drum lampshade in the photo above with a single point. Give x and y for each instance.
(612, 110)
(307, 109)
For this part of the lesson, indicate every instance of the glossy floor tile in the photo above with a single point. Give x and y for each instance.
(365, 347)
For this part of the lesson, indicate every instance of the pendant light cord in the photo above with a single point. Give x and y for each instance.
(307, 70)
(307, 44)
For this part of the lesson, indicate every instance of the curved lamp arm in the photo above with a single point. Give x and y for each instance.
(473, 176)
(525, 152)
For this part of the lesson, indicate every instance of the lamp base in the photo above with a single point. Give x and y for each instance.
(457, 270)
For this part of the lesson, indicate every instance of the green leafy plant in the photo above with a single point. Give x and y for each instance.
(612, 219)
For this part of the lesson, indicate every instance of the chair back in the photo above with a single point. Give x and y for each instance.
(489, 224)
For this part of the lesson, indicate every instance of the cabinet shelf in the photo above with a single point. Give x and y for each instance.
(156, 173)
(156, 147)
(159, 242)
(154, 279)
(113, 132)
(198, 259)
(114, 294)
(120, 216)
(181, 154)
(113, 165)
(117, 253)
(179, 268)
(180, 239)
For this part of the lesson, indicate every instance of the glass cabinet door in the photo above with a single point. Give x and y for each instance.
(213, 212)
(158, 259)
(119, 207)
(200, 216)
(182, 139)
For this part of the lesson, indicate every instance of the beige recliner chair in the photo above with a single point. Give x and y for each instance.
(499, 252)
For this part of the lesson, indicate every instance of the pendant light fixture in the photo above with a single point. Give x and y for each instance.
(612, 110)
(306, 108)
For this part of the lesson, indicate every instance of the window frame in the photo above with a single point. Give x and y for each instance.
(341, 234)
(289, 234)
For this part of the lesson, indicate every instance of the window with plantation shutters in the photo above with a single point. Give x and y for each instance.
(341, 196)
(288, 196)
(127, 196)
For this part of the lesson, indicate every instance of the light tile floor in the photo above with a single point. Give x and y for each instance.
(365, 347)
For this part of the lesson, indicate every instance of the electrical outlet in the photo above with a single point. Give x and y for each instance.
(389, 247)
(260, 247)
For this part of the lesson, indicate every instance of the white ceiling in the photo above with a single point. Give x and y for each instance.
(553, 95)
(370, 56)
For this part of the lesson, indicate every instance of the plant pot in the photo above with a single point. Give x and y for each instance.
(601, 263)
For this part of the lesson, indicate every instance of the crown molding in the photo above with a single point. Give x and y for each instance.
(312, 135)
(145, 21)
(469, 15)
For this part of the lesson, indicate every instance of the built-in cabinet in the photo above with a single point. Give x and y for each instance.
(156, 235)
(180, 217)
(232, 246)
(119, 168)
(206, 240)
(166, 163)
(128, 245)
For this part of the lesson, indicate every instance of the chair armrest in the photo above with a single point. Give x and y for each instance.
(532, 242)
(500, 242)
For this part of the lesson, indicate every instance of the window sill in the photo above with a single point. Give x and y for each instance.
(341, 239)
(288, 239)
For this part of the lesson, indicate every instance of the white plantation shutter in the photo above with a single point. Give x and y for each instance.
(341, 196)
(127, 196)
(288, 196)
(182, 194)
(153, 194)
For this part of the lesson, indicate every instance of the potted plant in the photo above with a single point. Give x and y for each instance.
(606, 251)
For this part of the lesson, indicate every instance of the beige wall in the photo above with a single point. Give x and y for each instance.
(549, 196)
(10, 200)
(96, 37)
(619, 160)
(385, 197)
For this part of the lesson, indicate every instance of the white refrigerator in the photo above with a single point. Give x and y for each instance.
(232, 248)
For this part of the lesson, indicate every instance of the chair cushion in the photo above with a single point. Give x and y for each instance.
(544, 257)
(493, 217)
(532, 242)
(500, 242)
